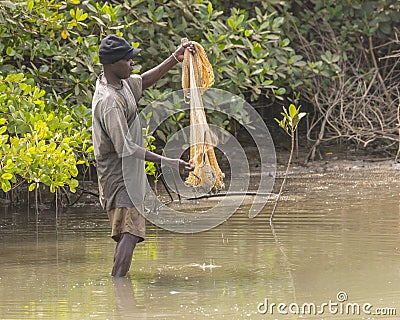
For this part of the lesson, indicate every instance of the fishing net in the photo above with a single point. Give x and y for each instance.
(197, 76)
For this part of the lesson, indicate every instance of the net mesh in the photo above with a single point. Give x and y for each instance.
(197, 76)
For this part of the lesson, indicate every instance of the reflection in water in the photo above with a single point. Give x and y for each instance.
(285, 259)
(332, 233)
(125, 304)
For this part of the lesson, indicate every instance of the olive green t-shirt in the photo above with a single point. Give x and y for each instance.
(118, 143)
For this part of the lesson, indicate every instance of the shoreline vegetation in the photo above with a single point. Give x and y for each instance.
(334, 163)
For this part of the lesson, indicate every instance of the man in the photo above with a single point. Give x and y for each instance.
(118, 143)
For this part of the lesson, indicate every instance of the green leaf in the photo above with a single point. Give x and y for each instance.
(248, 33)
(240, 20)
(82, 17)
(221, 46)
(73, 183)
(6, 186)
(280, 91)
(161, 135)
(272, 37)
(159, 13)
(10, 51)
(180, 116)
(292, 111)
(279, 21)
(385, 27)
(30, 5)
(6, 176)
(258, 71)
(210, 8)
(90, 149)
(281, 58)
(99, 21)
(74, 171)
(16, 77)
(300, 64)
(231, 23)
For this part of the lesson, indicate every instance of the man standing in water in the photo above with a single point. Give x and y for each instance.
(117, 137)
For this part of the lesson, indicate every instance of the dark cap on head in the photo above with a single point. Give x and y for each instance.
(114, 48)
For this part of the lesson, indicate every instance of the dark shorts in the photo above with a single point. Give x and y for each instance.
(129, 220)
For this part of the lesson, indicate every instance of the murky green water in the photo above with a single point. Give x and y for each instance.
(338, 232)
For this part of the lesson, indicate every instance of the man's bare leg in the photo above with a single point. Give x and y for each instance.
(123, 254)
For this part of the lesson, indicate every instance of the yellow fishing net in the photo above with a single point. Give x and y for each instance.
(197, 76)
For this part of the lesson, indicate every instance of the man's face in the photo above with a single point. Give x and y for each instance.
(123, 68)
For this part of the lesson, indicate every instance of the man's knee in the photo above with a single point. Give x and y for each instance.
(131, 237)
